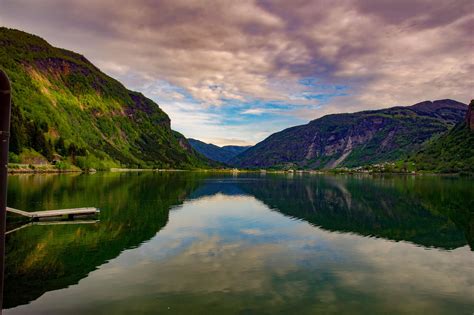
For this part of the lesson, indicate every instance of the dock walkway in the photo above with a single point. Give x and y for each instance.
(55, 213)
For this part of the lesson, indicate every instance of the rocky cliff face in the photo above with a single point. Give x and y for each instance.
(355, 139)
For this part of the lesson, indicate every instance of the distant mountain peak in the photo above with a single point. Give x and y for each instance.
(353, 139)
(213, 152)
(437, 104)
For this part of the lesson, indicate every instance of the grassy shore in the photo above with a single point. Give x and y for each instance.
(41, 169)
(59, 169)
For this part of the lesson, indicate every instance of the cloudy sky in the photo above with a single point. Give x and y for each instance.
(233, 72)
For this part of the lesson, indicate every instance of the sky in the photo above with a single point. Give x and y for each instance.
(234, 72)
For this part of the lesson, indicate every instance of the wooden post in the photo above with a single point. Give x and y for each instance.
(5, 111)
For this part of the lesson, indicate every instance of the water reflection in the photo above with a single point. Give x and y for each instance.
(432, 212)
(43, 258)
(225, 251)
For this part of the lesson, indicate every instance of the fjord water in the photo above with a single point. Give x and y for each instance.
(201, 243)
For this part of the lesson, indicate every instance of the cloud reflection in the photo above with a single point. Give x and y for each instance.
(211, 255)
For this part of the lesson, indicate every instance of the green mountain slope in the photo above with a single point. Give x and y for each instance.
(64, 105)
(216, 153)
(452, 152)
(355, 139)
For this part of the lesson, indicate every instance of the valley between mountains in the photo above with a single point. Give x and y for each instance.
(69, 114)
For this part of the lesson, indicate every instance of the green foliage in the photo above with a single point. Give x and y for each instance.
(62, 165)
(450, 153)
(13, 166)
(13, 158)
(62, 104)
(60, 147)
(30, 156)
(88, 162)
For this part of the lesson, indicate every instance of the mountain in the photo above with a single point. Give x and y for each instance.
(64, 106)
(354, 139)
(452, 152)
(220, 154)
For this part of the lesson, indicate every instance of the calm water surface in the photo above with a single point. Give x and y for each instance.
(197, 243)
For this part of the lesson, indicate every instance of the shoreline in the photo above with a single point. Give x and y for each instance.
(15, 172)
(39, 171)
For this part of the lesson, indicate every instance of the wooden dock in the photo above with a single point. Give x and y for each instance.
(70, 213)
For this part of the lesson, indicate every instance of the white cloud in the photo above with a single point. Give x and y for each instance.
(253, 111)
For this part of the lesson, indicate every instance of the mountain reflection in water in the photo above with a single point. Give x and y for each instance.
(237, 222)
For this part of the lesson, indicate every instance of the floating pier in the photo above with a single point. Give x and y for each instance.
(70, 213)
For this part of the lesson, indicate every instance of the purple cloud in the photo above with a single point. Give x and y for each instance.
(221, 53)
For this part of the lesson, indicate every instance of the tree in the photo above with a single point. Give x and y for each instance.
(18, 130)
(60, 146)
(72, 151)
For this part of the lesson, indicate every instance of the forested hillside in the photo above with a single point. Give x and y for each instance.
(452, 152)
(65, 109)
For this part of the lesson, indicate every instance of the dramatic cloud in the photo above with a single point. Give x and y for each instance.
(279, 62)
